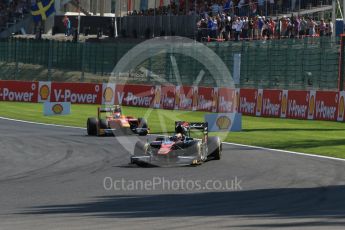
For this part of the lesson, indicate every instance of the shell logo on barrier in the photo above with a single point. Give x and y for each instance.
(259, 103)
(311, 105)
(341, 108)
(44, 92)
(284, 104)
(57, 108)
(157, 98)
(108, 94)
(223, 122)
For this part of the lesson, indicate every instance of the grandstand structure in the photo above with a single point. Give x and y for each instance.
(160, 14)
(302, 63)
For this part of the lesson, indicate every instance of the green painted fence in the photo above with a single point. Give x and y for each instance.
(309, 63)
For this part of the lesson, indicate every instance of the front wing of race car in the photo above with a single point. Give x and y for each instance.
(162, 161)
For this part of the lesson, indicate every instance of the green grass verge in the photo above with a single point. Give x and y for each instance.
(316, 137)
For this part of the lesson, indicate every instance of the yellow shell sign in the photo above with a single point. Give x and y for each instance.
(108, 94)
(284, 104)
(57, 108)
(223, 122)
(44, 92)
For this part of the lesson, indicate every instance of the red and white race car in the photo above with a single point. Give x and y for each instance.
(180, 148)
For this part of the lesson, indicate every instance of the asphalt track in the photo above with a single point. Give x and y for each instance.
(52, 178)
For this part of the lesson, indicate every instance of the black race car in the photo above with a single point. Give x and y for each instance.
(180, 148)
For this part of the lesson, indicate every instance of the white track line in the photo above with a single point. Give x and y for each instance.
(227, 143)
(38, 123)
(286, 151)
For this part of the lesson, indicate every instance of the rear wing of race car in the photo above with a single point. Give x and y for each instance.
(109, 109)
(193, 125)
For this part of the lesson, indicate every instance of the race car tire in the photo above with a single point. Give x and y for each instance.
(92, 126)
(142, 124)
(103, 124)
(196, 150)
(140, 148)
(214, 146)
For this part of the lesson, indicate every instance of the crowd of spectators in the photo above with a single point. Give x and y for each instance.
(236, 7)
(219, 21)
(12, 10)
(225, 27)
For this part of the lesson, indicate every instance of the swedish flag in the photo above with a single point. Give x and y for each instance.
(43, 9)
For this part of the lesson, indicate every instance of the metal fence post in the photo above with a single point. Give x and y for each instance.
(50, 56)
(83, 61)
(16, 60)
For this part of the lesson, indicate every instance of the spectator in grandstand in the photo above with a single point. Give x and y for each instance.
(329, 28)
(250, 29)
(297, 26)
(304, 27)
(311, 25)
(322, 28)
(265, 34)
(272, 28)
(284, 27)
(245, 27)
(238, 28)
(67, 25)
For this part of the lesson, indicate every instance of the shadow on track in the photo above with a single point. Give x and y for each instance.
(268, 203)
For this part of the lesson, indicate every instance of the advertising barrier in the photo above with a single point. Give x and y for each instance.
(166, 97)
(184, 97)
(206, 99)
(228, 100)
(271, 103)
(135, 95)
(20, 91)
(76, 93)
(248, 101)
(326, 106)
(294, 104)
(297, 104)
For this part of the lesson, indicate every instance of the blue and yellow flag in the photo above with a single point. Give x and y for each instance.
(43, 9)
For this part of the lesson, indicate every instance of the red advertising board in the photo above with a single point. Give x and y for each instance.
(135, 95)
(248, 101)
(297, 104)
(78, 93)
(228, 100)
(20, 91)
(184, 97)
(206, 99)
(271, 103)
(167, 99)
(326, 106)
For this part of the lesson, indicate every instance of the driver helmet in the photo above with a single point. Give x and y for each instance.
(180, 129)
(179, 136)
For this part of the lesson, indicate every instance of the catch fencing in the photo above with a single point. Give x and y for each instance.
(308, 63)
